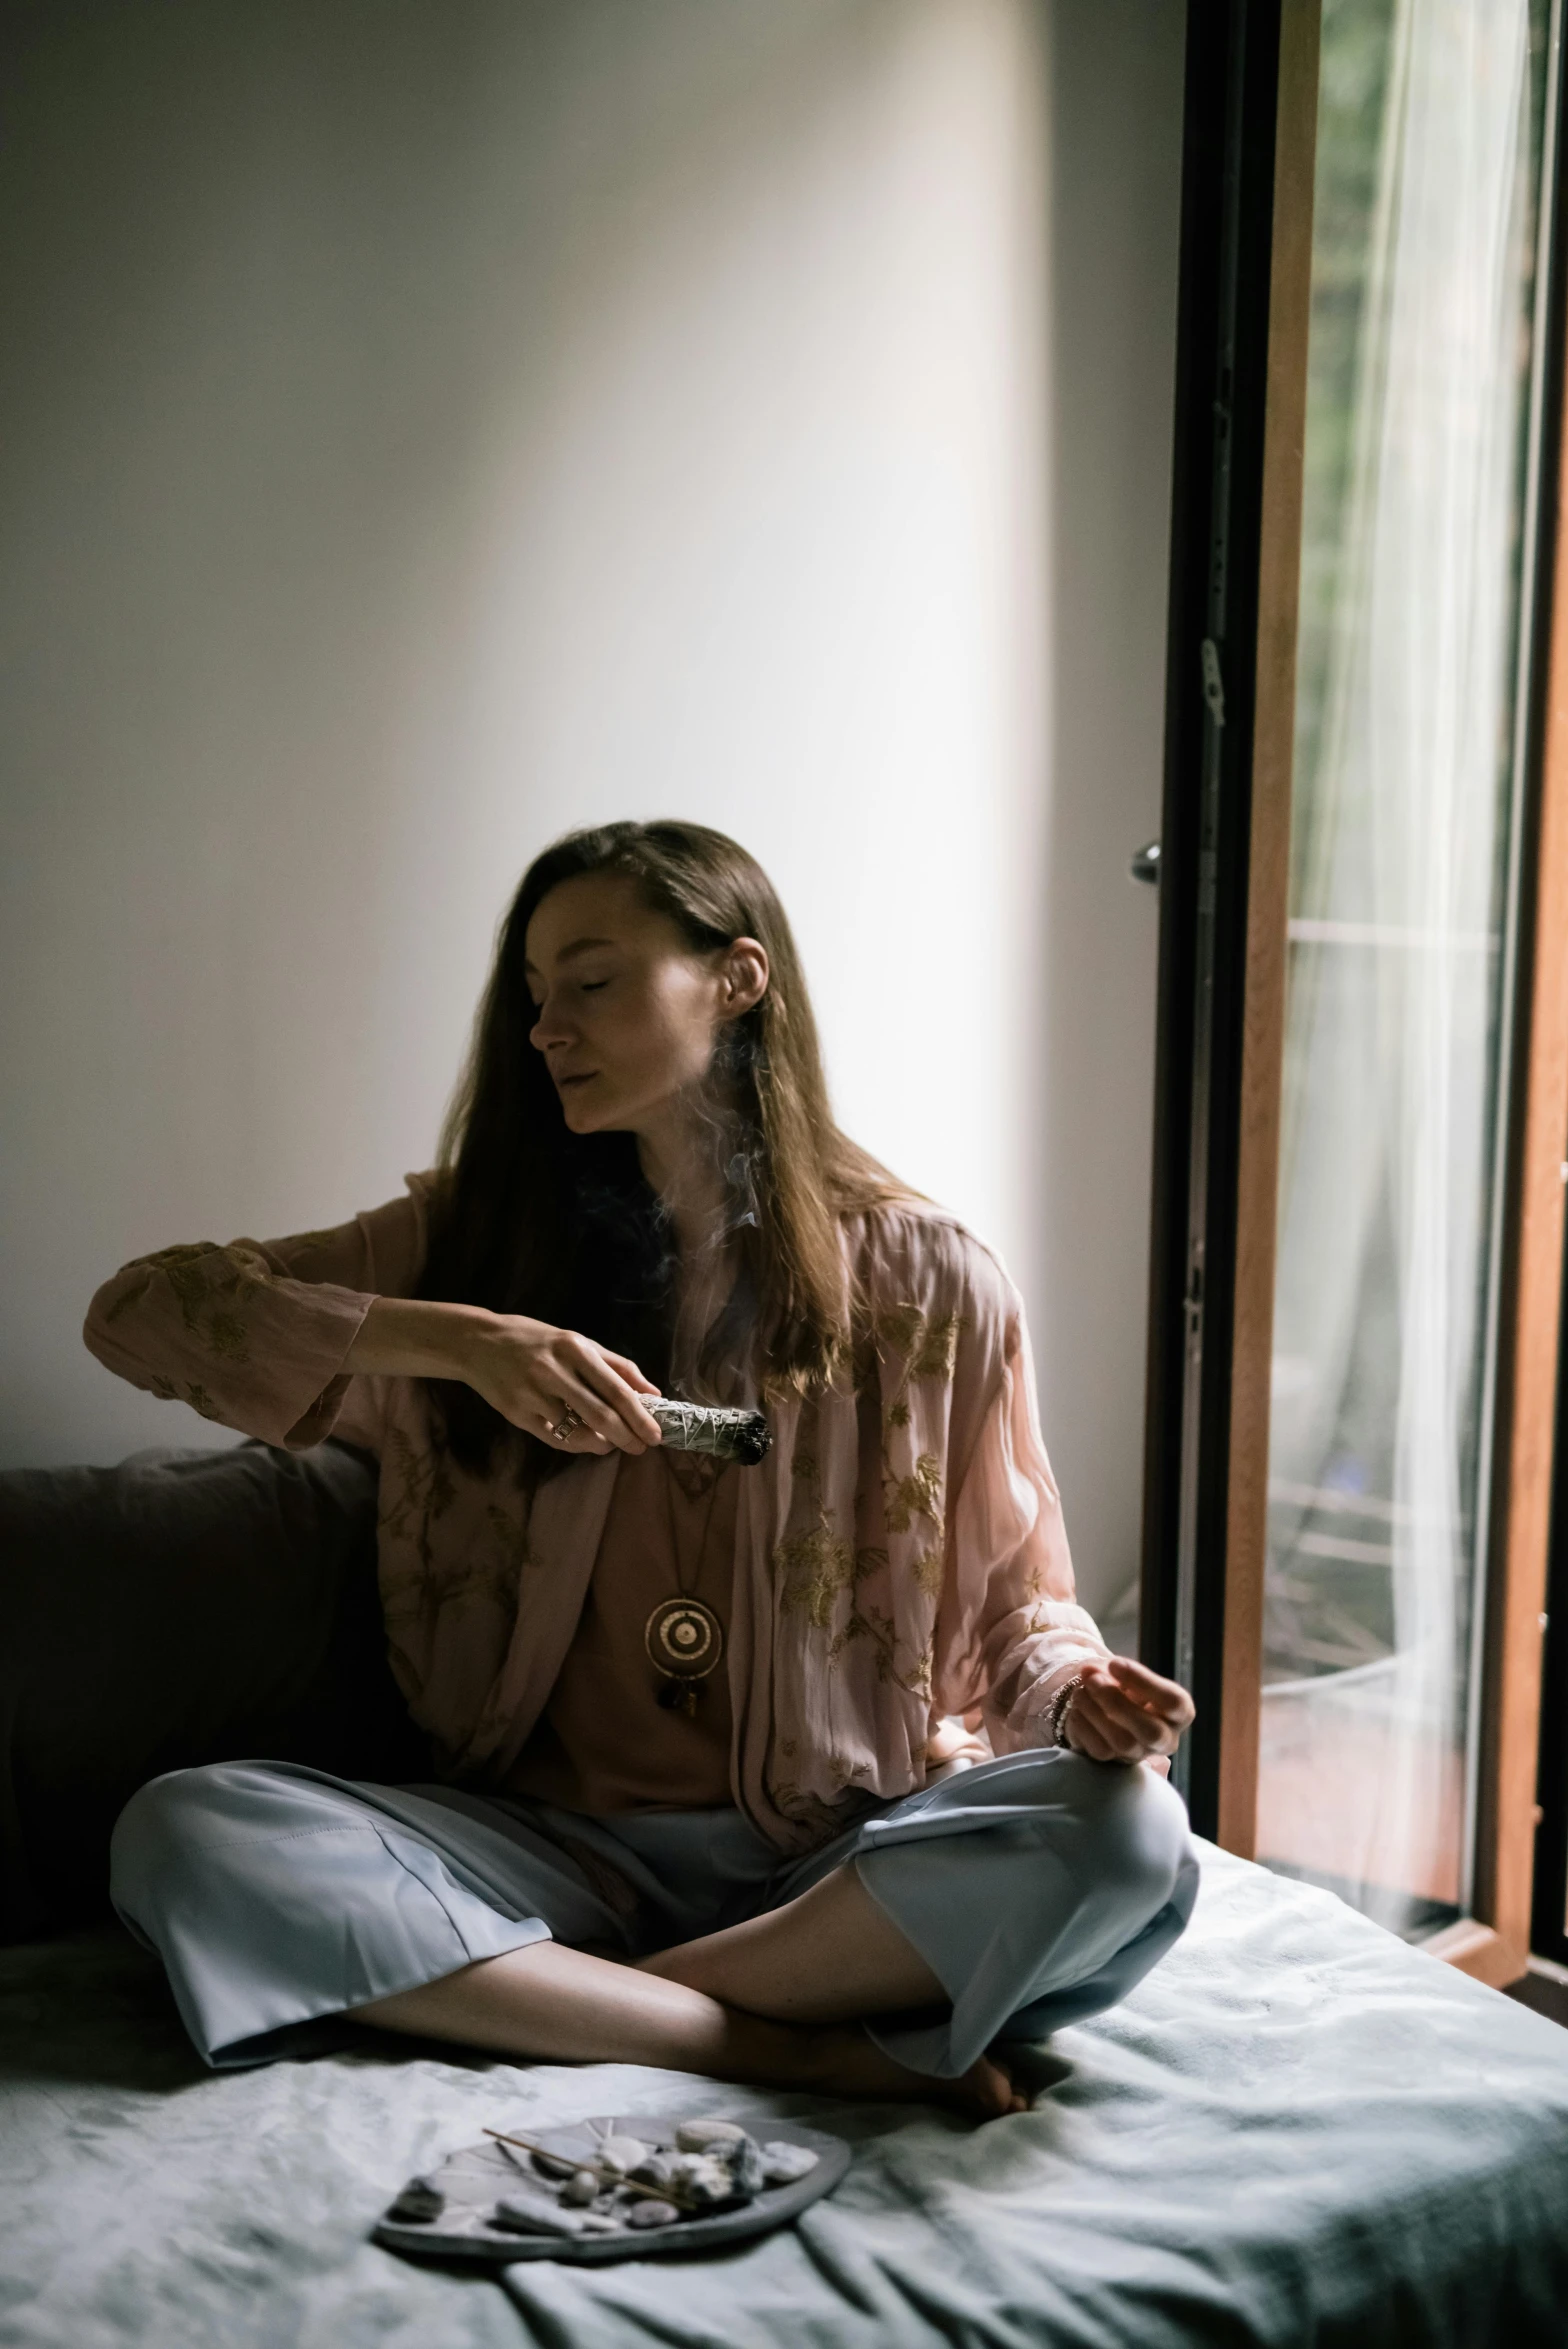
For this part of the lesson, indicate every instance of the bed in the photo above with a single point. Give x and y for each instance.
(1296, 2131)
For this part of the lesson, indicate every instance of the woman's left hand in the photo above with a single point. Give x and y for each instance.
(1123, 1712)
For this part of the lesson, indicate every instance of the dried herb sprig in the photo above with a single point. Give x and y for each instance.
(631, 2185)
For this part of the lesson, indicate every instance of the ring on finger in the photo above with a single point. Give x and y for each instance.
(567, 1425)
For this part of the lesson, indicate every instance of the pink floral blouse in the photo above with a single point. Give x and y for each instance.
(900, 1555)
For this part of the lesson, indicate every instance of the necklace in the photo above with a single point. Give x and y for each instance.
(684, 1638)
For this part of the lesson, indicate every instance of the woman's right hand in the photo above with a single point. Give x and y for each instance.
(534, 1375)
(530, 1372)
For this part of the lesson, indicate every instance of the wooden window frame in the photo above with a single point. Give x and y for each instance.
(1494, 1942)
(1228, 1455)
(1268, 905)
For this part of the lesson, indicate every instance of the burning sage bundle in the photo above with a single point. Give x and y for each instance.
(728, 1435)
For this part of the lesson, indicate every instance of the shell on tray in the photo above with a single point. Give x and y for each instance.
(703, 2177)
(652, 2213)
(523, 2213)
(419, 2204)
(701, 2136)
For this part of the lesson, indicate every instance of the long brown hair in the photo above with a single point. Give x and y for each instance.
(531, 1218)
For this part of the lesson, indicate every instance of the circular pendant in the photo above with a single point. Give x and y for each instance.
(684, 1638)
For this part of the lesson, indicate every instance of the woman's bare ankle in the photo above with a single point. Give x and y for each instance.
(844, 2061)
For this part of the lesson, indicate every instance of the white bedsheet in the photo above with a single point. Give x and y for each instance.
(1295, 2131)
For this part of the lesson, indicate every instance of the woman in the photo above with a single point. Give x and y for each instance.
(770, 1867)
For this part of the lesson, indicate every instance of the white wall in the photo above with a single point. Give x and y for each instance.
(424, 428)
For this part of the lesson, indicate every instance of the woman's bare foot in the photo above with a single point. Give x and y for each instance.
(546, 2002)
(844, 2062)
(991, 2089)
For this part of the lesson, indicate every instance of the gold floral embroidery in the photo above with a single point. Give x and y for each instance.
(208, 1283)
(818, 1566)
(928, 1570)
(918, 1494)
(489, 1578)
(812, 1570)
(928, 1346)
(868, 1622)
(928, 1343)
(841, 1587)
(795, 1803)
(227, 1335)
(1057, 1614)
(871, 1623)
(512, 1563)
(426, 1494)
(512, 1538)
(917, 1680)
(856, 1364)
(199, 1400)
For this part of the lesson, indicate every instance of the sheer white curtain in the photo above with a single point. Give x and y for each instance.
(1394, 966)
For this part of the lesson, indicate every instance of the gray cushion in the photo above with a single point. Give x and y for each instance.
(183, 1607)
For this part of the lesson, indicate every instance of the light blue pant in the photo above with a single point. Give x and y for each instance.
(1038, 1889)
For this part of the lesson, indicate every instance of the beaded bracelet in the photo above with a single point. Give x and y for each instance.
(1061, 1706)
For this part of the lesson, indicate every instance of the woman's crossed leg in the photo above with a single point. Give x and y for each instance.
(774, 2002)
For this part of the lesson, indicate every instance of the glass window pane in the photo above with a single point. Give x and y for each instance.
(1419, 379)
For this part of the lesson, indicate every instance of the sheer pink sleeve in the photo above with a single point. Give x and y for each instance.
(1010, 1626)
(254, 1335)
